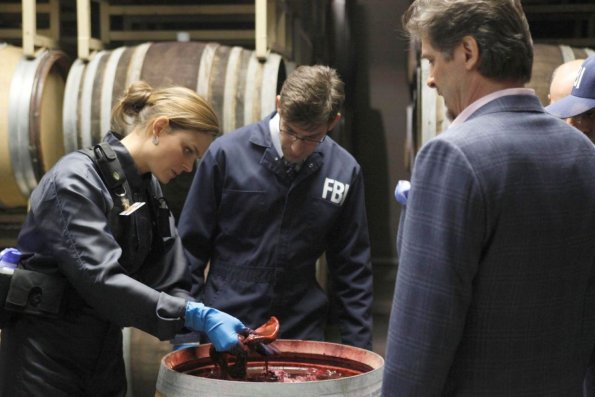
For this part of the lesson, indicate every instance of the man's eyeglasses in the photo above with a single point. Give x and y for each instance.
(294, 137)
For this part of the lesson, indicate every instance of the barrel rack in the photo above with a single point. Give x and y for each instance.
(30, 35)
(574, 21)
(291, 28)
(265, 25)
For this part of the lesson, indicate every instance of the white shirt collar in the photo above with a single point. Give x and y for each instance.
(469, 110)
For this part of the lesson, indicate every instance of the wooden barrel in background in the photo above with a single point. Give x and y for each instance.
(241, 89)
(429, 112)
(31, 139)
(545, 59)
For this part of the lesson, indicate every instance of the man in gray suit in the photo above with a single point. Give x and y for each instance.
(495, 291)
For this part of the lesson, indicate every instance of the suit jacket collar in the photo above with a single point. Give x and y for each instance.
(510, 103)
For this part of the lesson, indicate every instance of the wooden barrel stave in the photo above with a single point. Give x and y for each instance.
(251, 93)
(107, 88)
(70, 108)
(274, 66)
(120, 81)
(48, 96)
(19, 109)
(204, 71)
(242, 78)
(217, 80)
(87, 98)
(159, 70)
(97, 121)
(231, 88)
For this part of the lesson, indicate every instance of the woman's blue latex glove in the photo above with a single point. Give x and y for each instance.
(221, 328)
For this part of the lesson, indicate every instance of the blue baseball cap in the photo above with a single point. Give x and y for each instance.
(582, 97)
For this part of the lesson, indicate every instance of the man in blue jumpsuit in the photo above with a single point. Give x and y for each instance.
(267, 201)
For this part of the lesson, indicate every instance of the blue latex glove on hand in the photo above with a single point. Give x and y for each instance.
(221, 328)
(402, 191)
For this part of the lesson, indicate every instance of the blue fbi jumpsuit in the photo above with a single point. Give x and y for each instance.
(133, 277)
(263, 233)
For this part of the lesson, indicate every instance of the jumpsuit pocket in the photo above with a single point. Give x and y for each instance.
(238, 288)
(246, 214)
(320, 218)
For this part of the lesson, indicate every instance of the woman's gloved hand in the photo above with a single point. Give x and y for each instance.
(221, 328)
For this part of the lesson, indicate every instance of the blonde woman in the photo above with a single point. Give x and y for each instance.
(108, 254)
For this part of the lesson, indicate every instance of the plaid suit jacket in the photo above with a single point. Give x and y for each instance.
(495, 291)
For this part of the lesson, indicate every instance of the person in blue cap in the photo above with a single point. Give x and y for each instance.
(99, 260)
(579, 106)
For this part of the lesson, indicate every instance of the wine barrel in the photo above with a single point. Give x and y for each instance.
(361, 372)
(31, 139)
(546, 58)
(241, 89)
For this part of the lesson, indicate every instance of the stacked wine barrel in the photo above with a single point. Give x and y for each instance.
(31, 141)
(49, 107)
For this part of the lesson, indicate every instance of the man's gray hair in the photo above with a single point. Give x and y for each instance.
(499, 27)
